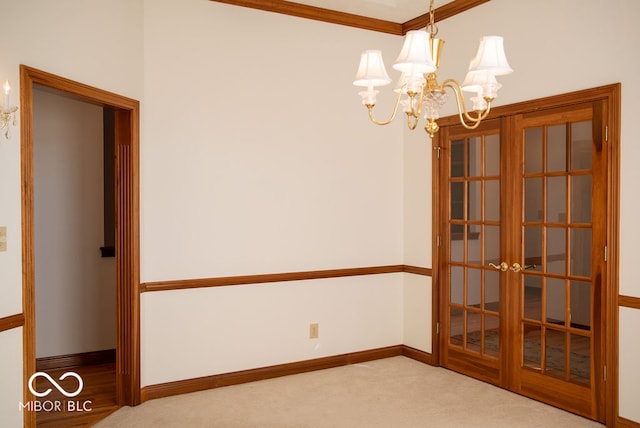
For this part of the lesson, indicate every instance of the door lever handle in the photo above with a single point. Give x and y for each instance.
(517, 268)
(502, 267)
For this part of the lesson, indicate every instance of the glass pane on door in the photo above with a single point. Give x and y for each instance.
(556, 224)
(474, 243)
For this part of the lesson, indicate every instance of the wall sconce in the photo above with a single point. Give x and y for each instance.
(8, 112)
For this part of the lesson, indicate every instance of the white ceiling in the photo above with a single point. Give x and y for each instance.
(399, 11)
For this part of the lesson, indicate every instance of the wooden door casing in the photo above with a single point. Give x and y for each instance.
(127, 218)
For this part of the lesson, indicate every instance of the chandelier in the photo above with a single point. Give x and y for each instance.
(418, 88)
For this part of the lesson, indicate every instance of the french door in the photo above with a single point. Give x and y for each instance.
(522, 255)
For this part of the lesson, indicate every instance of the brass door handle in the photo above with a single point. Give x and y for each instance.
(517, 268)
(502, 267)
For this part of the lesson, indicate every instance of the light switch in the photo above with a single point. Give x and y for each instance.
(313, 331)
(3, 238)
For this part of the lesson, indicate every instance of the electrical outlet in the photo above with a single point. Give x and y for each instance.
(313, 331)
(3, 238)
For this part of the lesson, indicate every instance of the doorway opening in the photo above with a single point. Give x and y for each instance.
(125, 246)
(527, 262)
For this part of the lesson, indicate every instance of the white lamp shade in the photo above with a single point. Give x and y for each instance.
(491, 57)
(371, 71)
(476, 80)
(482, 83)
(401, 86)
(409, 83)
(415, 56)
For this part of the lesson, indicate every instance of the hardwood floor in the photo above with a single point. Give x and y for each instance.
(96, 401)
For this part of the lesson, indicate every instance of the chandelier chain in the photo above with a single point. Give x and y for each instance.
(432, 28)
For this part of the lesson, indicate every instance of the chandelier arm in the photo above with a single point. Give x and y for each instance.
(393, 115)
(483, 114)
(412, 121)
(462, 107)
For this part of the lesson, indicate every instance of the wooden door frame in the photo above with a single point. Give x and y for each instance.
(127, 127)
(612, 94)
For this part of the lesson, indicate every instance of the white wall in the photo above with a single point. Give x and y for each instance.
(98, 43)
(417, 312)
(75, 287)
(227, 329)
(258, 158)
(417, 153)
(257, 154)
(11, 377)
(628, 365)
(296, 185)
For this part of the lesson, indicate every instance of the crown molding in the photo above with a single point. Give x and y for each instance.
(351, 20)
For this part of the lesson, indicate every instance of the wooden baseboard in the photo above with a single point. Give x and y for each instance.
(76, 360)
(418, 355)
(151, 392)
(626, 423)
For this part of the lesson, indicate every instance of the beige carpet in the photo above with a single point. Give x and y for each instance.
(393, 392)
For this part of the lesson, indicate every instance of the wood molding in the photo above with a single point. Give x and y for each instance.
(417, 270)
(629, 302)
(613, 95)
(418, 355)
(552, 101)
(28, 244)
(357, 21)
(151, 392)
(264, 278)
(278, 277)
(443, 12)
(12, 321)
(319, 14)
(127, 244)
(76, 360)
(626, 423)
